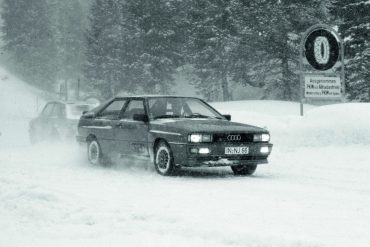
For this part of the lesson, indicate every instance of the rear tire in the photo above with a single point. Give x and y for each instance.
(163, 159)
(243, 170)
(33, 137)
(95, 153)
(54, 135)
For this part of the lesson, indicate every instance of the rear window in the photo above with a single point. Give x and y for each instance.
(75, 111)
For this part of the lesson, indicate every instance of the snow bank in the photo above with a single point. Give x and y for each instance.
(338, 124)
(341, 124)
(265, 107)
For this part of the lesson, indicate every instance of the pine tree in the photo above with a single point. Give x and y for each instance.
(355, 28)
(212, 45)
(270, 35)
(105, 40)
(68, 28)
(134, 45)
(28, 40)
(156, 26)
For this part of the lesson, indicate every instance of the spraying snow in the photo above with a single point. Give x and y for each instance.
(314, 192)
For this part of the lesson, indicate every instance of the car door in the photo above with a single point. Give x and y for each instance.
(57, 121)
(132, 135)
(42, 123)
(104, 124)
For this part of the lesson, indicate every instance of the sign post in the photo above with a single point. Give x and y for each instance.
(320, 49)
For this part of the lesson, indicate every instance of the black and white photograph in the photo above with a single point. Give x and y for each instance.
(185, 123)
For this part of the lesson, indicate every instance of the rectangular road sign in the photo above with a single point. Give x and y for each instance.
(322, 86)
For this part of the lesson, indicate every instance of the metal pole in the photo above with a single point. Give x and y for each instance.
(66, 89)
(78, 89)
(342, 69)
(301, 83)
(37, 104)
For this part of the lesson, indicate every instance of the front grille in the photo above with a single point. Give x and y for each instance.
(233, 137)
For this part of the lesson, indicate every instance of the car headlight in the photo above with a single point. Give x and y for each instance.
(261, 137)
(197, 138)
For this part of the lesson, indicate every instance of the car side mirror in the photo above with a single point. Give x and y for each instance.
(88, 114)
(227, 116)
(141, 118)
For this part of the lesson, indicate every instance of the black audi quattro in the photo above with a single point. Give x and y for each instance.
(172, 132)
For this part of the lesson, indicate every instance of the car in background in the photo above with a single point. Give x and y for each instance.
(172, 132)
(57, 121)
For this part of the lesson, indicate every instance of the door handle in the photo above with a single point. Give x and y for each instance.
(125, 126)
(119, 125)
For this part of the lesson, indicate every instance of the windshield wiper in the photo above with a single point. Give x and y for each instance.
(197, 115)
(166, 116)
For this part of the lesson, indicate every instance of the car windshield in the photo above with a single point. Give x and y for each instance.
(168, 107)
(75, 111)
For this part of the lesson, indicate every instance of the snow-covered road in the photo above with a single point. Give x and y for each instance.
(314, 192)
(49, 195)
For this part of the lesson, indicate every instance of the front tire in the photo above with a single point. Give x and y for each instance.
(243, 170)
(163, 159)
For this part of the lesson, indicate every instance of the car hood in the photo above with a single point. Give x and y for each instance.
(203, 125)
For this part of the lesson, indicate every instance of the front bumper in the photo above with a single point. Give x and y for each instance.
(217, 156)
(224, 161)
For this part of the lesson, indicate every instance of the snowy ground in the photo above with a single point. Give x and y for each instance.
(314, 192)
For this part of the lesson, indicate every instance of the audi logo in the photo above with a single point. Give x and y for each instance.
(234, 137)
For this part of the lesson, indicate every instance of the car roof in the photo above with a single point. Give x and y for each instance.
(153, 96)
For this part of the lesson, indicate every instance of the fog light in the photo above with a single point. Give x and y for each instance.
(264, 150)
(194, 150)
(204, 150)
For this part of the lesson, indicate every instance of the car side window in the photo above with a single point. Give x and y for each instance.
(48, 110)
(58, 111)
(113, 110)
(134, 107)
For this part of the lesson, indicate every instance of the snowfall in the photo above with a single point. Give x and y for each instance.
(315, 191)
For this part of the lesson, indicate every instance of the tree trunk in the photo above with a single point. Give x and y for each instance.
(225, 87)
(287, 90)
(112, 88)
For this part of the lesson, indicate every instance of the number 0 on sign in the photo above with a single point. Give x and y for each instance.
(322, 49)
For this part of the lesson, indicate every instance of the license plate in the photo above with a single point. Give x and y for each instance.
(236, 150)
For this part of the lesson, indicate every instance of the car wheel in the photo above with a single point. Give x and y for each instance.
(244, 169)
(33, 137)
(54, 135)
(163, 160)
(94, 153)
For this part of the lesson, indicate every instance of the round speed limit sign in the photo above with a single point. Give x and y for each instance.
(322, 49)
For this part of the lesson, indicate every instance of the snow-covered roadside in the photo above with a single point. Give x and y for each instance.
(19, 103)
(314, 192)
